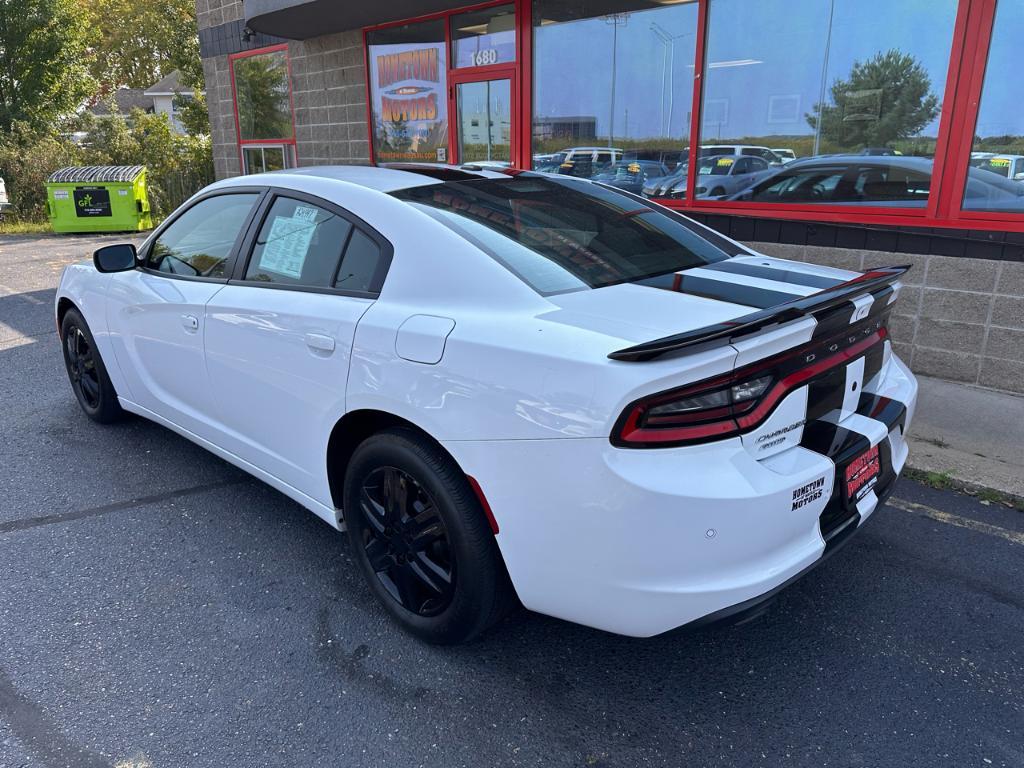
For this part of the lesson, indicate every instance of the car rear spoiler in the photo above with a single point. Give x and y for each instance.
(756, 321)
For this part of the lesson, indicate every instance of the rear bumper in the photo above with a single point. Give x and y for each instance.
(642, 542)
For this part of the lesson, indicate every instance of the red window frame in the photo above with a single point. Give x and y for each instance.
(242, 143)
(972, 34)
(517, 71)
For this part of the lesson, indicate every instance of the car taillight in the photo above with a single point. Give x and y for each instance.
(729, 405)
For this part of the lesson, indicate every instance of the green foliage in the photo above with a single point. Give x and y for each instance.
(885, 99)
(176, 165)
(44, 62)
(26, 160)
(140, 42)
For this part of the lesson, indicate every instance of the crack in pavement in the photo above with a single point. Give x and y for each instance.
(141, 501)
(39, 733)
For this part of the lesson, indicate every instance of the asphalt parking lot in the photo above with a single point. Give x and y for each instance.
(160, 608)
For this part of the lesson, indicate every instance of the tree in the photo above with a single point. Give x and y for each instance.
(884, 99)
(137, 43)
(44, 62)
(261, 87)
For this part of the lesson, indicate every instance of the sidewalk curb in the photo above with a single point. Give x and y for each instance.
(950, 481)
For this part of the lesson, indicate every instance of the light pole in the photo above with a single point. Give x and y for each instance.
(824, 78)
(668, 63)
(615, 19)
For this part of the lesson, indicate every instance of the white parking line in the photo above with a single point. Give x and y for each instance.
(1016, 537)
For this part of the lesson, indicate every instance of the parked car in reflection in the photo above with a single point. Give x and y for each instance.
(890, 181)
(585, 162)
(880, 151)
(659, 186)
(4, 202)
(721, 175)
(630, 175)
(785, 155)
(1007, 166)
(746, 150)
(671, 158)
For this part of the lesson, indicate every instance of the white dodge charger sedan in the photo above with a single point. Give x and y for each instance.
(508, 385)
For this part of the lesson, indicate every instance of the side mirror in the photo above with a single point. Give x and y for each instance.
(115, 258)
(1018, 177)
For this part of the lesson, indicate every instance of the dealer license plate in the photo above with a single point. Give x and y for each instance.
(862, 474)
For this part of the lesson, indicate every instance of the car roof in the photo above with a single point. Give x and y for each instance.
(381, 179)
(923, 163)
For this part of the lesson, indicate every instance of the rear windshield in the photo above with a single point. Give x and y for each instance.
(564, 234)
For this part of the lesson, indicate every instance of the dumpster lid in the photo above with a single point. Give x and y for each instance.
(97, 173)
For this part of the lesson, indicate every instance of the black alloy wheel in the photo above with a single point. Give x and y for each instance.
(81, 361)
(88, 375)
(421, 538)
(406, 542)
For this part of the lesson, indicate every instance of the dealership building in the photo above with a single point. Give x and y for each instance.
(903, 115)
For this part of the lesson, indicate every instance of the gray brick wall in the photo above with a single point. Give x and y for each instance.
(328, 91)
(959, 319)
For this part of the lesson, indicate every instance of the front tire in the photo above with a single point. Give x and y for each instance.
(88, 375)
(422, 540)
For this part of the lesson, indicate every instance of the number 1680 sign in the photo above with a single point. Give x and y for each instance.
(484, 57)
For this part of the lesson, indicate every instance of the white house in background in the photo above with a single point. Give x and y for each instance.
(169, 96)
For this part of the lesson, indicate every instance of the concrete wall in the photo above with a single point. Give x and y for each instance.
(960, 319)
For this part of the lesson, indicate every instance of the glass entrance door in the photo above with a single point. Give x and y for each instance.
(484, 123)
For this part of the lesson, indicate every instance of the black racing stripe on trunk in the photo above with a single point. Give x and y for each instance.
(838, 443)
(825, 393)
(881, 303)
(773, 273)
(873, 362)
(720, 290)
(832, 322)
(842, 446)
(890, 412)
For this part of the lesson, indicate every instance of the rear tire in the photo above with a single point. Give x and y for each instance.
(422, 540)
(86, 371)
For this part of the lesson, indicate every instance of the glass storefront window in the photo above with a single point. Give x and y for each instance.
(611, 87)
(263, 96)
(481, 38)
(849, 91)
(408, 96)
(995, 179)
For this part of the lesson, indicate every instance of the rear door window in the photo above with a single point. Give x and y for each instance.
(299, 244)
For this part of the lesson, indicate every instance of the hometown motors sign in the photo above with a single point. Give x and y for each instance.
(410, 110)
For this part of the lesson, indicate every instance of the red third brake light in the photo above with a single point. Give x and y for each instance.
(737, 402)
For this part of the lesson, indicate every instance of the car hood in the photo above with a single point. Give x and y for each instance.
(694, 298)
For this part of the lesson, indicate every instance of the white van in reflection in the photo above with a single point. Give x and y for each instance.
(1008, 166)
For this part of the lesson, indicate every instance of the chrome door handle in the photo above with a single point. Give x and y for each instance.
(319, 342)
(190, 323)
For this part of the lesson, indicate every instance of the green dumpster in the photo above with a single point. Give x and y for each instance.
(98, 198)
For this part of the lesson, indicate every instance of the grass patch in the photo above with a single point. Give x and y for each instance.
(943, 481)
(15, 227)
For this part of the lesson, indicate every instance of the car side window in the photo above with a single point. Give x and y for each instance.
(299, 244)
(362, 265)
(811, 184)
(199, 242)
